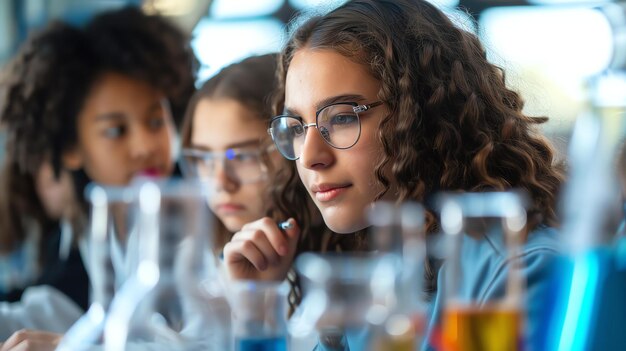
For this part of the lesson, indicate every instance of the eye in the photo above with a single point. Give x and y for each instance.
(114, 132)
(242, 156)
(297, 129)
(343, 119)
(156, 123)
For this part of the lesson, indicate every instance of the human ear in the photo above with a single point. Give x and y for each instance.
(72, 159)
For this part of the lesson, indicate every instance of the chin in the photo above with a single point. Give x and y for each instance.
(232, 224)
(342, 224)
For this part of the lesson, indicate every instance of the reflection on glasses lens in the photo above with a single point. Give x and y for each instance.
(238, 166)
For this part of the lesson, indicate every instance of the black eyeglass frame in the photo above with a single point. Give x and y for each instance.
(356, 107)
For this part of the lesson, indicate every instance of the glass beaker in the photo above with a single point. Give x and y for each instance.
(470, 321)
(398, 230)
(342, 292)
(259, 315)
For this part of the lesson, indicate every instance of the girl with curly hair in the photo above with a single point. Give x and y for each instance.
(97, 103)
(389, 100)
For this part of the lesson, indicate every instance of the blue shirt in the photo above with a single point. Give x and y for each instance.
(486, 263)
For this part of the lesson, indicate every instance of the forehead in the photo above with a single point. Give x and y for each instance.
(316, 74)
(218, 123)
(115, 91)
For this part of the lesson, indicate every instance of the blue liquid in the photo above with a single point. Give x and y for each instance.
(262, 344)
(597, 299)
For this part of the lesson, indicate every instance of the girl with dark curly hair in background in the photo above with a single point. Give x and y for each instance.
(79, 105)
(389, 100)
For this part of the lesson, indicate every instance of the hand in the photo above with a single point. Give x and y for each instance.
(31, 340)
(261, 251)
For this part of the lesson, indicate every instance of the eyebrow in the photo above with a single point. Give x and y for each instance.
(117, 115)
(154, 107)
(111, 116)
(237, 145)
(329, 101)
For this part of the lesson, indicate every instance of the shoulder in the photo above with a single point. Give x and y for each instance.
(535, 258)
(486, 262)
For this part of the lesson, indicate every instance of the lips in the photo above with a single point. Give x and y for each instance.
(150, 172)
(327, 192)
(228, 208)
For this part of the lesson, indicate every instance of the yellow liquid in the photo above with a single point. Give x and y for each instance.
(393, 344)
(406, 341)
(485, 329)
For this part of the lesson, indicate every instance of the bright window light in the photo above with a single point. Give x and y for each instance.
(568, 2)
(302, 4)
(445, 3)
(576, 41)
(218, 43)
(461, 19)
(306, 4)
(549, 53)
(243, 8)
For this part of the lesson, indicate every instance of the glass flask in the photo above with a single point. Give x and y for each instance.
(588, 309)
(111, 232)
(165, 303)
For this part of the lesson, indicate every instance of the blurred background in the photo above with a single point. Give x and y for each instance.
(549, 48)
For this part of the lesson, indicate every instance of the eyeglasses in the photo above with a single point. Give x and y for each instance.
(241, 166)
(338, 124)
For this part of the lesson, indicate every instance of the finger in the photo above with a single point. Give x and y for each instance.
(262, 242)
(15, 339)
(23, 338)
(277, 237)
(237, 251)
(34, 345)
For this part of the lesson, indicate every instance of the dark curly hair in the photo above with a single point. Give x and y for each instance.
(43, 88)
(453, 124)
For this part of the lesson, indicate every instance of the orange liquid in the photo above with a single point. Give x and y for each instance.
(485, 329)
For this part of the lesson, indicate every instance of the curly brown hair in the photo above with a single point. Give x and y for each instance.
(453, 123)
(45, 85)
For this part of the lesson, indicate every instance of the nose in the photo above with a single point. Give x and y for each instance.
(224, 181)
(143, 146)
(315, 153)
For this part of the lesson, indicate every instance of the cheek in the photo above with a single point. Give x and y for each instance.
(362, 160)
(254, 196)
(105, 165)
(166, 144)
